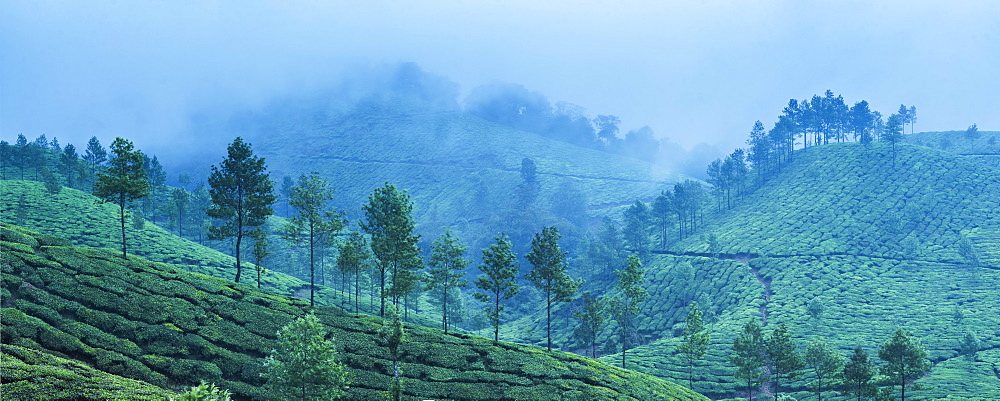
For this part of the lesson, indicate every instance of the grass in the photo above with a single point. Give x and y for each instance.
(155, 323)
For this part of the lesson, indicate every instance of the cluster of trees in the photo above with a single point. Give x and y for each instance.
(772, 358)
(517, 107)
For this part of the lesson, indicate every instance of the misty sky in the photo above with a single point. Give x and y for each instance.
(695, 71)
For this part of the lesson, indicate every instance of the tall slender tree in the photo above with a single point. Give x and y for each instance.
(241, 194)
(549, 273)
(695, 341)
(260, 250)
(782, 357)
(748, 356)
(625, 306)
(858, 374)
(315, 222)
(352, 259)
(500, 270)
(123, 181)
(825, 363)
(95, 155)
(447, 269)
(905, 358)
(389, 222)
(893, 133)
(592, 317)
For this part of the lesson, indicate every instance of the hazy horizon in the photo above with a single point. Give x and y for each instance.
(697, 73)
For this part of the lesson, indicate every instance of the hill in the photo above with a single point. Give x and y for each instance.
(986, 144)
(875, 247)
(152, 322)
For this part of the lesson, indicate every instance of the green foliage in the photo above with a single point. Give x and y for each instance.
(782, 357)
(447, 269)
(696, 340)
(626, 306)
(314, 223)
(499, 269)
(549, 273)
(905, 358)
(749, 349)
(858, 374)
(123, 181)
(824, 363)
(304, 365)
(592, 317)
(242, 195)
(204, 392)
(389, 222)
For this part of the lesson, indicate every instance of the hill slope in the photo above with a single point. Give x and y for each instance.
(877, 247)
(164, 326)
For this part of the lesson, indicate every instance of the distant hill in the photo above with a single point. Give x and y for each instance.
(152, 322)
(987, 143)
(877, 247)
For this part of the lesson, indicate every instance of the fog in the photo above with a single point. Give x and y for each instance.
(697, 73)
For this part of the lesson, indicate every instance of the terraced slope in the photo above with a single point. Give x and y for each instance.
(443, 157)
(152, 322)
(877, 248)
(28, 375)
(987, 143)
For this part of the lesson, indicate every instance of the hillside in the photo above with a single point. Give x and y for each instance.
(877, 247)
(987, 143)
(152, 322)
(459, 169)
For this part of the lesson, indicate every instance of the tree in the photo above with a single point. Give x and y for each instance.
(304, 365)
(969, 346)
(748, 356)
(783, 358)
(905, 358)
(447, 269)
(51, 182)
(260, 250)
(637, 227)
(625, 306)
(911, 115)
(389, 222)
(68, 161)
(391, 335)
(549, 273)
(858, 374)
(179, 198)
(500, 270)
(607, 128)
(352, 256)
(892, 133)
(123, 181)
(592, 317)
(824, 362)
(661, 211)
(242, 195)
(694, 343)
(95, 155)
(315, 222)
(972, 133)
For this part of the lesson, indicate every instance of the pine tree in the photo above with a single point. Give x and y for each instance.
(95, 155)
(447, 269)
(315, 222)
(389, 222)
(783, 358)
(858, 374)
(625, 307)
(68, 161)
(352, 259)
(905, 358)
(260, 250)
(500, 270)
(242, 195)
(825, 363)
(748, 356)
(695, 341)
(304, 366)
(549, 273)
(123, 181)
(592, 316)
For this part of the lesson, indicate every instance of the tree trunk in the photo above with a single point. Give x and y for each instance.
(548, 315)
(124, 244)
(239, 241)
(444, 311)
(312, 269)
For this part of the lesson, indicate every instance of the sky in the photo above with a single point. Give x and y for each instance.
(697, 72)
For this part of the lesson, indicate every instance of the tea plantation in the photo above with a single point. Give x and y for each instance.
(170, 328)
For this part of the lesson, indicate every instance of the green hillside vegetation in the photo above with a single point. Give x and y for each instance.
(28, 374)
(457, 167)
(875, 247)
(152, 322)
(985, 143)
